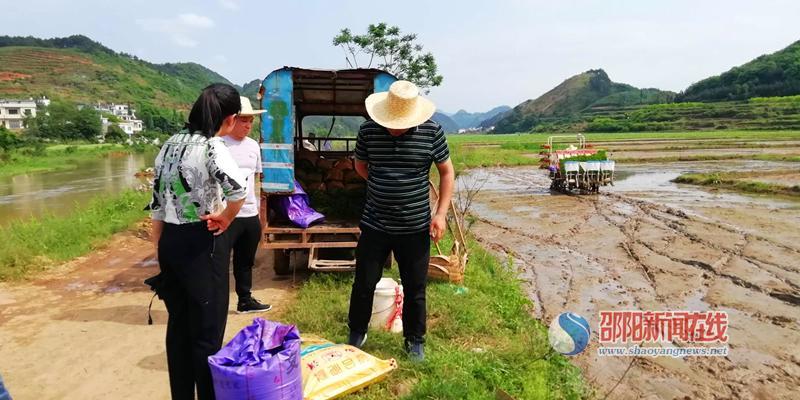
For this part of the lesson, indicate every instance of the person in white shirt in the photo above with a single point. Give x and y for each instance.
(245, 230)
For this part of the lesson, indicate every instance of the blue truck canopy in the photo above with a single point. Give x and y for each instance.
(289, 94)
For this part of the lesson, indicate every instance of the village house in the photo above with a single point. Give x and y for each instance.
(126, 115)
(14, 112)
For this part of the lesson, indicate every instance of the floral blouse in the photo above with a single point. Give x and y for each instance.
(192, 174)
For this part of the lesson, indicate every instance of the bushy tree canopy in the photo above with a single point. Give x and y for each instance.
(385, 47)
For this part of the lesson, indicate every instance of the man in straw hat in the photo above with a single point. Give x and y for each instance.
(245, 231)
(394, 153)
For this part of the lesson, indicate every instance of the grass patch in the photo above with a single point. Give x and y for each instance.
(54, 158)
(737, 181)
(493, 315)
(32, 245)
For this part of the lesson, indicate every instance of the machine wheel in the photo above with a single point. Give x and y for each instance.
(281, 259)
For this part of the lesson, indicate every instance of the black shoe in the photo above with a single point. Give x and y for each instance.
(415, 350)
(251, 305)
(357, 339)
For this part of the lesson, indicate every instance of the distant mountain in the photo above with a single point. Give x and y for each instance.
(446, 122)
(776, 74)
(250, 89)
(466, 119)
(79, 69)
(587, 90)
(320, 126)
(490, 122)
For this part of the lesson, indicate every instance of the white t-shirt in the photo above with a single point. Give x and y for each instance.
(247, 154)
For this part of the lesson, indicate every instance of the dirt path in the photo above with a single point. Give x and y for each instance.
(663, 248)
(80, 331)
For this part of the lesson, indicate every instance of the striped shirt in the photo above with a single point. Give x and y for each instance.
(398, 198)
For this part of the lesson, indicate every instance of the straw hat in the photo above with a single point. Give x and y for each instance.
(247, 109)
(401, 107)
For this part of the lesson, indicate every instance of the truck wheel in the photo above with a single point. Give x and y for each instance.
(282, 265)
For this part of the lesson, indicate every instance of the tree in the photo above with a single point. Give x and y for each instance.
(115, 134)
(63, 120)
(8, 140)
(86, 124)
(392, 51)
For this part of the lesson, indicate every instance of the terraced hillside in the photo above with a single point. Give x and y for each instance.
(88, 77)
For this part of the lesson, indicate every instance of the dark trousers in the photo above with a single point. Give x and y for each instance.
(244, 235)
(194, 264)
(412, 252)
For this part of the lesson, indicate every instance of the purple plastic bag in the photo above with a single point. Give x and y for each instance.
(261, 362)
(295, 207)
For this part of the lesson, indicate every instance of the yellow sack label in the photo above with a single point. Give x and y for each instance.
(334, 370)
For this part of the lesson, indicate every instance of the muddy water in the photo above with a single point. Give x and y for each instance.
(649, 244)
(32, 195)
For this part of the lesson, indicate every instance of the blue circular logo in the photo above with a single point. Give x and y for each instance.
(569, 333)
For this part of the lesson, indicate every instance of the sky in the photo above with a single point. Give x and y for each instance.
(490, 53)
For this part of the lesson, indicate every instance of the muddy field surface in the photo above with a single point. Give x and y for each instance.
(711, 143)
(649, 244)
(703, 152)
(80, 330)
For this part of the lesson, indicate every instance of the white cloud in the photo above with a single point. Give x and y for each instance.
(229, 4)
(179, 28)
(195, 21)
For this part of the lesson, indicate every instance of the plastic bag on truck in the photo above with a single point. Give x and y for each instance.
(334, 370)
(261, 362)
(295, 207)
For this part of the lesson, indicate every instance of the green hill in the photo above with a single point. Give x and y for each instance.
(81, 70)
(447, 123)
(592, 88)
(776, 74)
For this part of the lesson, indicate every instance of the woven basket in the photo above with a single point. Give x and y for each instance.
(448, 268)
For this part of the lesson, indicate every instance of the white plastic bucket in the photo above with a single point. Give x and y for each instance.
(384, 303)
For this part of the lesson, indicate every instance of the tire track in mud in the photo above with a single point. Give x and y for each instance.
(716, 268)
(717, 271)
(530, 266)
(711, 377)
(648, 207)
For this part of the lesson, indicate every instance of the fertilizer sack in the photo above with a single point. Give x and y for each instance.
(295, 207)
(261, 362)
(334, 370)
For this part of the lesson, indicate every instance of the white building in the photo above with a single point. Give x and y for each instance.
(131, 127)
(13, 112)
(43, 102)
(127, 116)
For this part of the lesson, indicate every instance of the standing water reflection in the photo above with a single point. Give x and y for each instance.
(60, 192)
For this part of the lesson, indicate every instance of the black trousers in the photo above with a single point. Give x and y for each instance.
(412, 252)
(244, 235)
(194, 264)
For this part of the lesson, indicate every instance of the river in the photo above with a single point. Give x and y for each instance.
(60, 192)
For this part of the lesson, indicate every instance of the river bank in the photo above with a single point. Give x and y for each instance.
(58, 157)
(39, 243)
